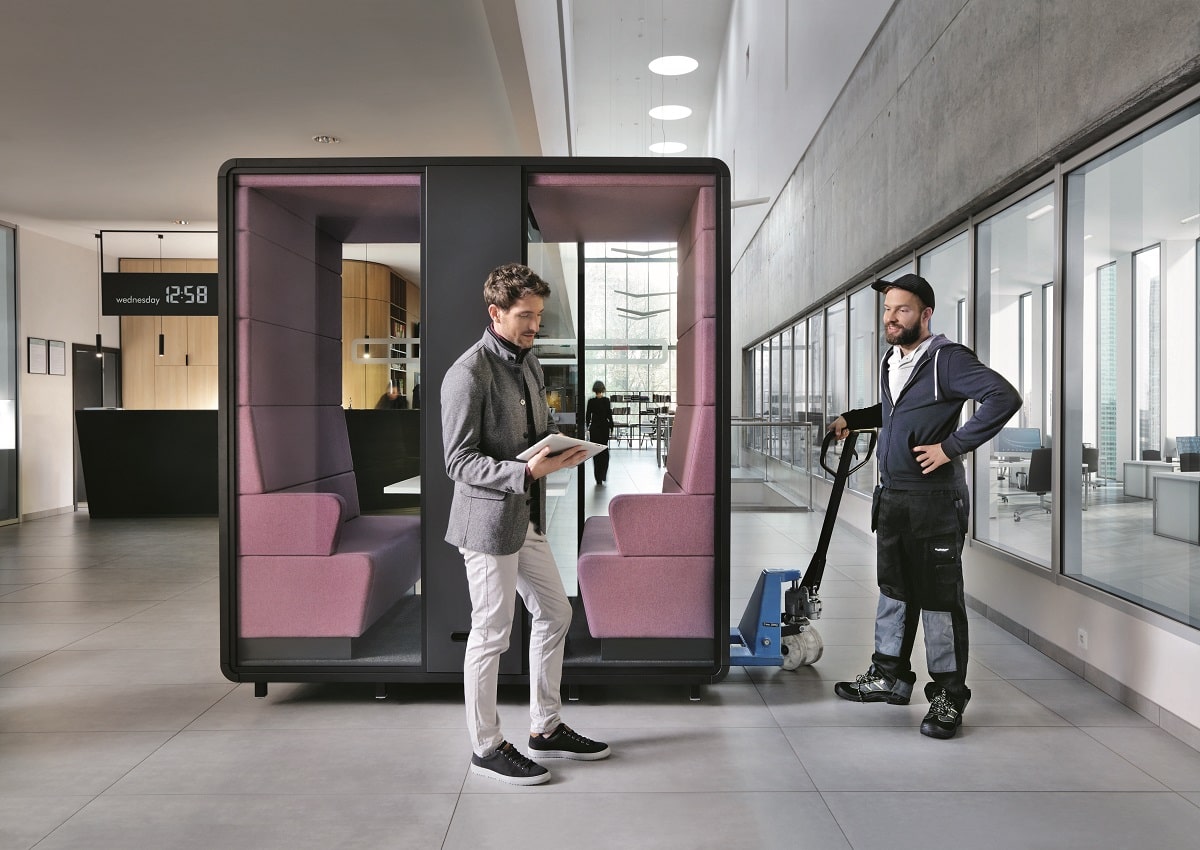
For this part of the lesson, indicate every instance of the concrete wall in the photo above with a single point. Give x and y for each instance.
(56, 299)
(954, 105)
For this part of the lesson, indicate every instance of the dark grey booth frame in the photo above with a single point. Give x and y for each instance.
(473, 216)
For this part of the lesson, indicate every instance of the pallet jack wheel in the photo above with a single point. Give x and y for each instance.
(802, 649)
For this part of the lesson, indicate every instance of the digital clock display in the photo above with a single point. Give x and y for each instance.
(158, 294)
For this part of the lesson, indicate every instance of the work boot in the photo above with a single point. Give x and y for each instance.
(944, 715)
(875, 686)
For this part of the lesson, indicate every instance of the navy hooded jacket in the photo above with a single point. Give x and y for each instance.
(927, 412)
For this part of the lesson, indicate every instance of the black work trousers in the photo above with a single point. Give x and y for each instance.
(600, 461)
(919, 542)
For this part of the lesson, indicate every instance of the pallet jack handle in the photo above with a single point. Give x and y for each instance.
(846, 468)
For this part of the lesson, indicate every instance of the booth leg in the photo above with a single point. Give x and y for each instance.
(572, 693)
(380, 690)
(694, 693)
(260, 689)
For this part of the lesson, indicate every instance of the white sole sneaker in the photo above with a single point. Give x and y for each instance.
(540, 779)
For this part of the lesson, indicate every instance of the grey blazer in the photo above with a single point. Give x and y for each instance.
(484, 427)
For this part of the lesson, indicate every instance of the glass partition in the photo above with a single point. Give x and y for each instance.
(948, 270)
(864, 359)
(8, 377)
(1130, 363)
(1015, 270)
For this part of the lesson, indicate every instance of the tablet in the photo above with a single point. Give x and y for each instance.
(559, 443)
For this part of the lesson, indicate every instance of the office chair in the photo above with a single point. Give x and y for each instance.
(1189, 462)
(1041, 473)
(1151, 454)
(1091, 459)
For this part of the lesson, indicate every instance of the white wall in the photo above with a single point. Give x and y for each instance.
(56, 299)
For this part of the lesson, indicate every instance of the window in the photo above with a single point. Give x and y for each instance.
(864, 357)
(1014, 267)
(1130, 369)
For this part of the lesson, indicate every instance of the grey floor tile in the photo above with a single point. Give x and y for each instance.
(983, 631)
(1019, 661)
(1158, 753)
(1080, 703)
(131, 635)
(117, 707)
(25, 820)
(70, 763)
(14, 660)
(727, 705)
(338, 706)
(69, 612)
(7, 590)
(100, 592)
(177, 611)
(991, 758)
(995, 702)
(797, 702)
(46, 637)
(1194, 798)
(1008, 820)
(50, 564)
(667, 821)
(846, 631)
(694, 760)
(836, 664)
(130, 666)
(29, 576)
(111, 573)
(336, 762)
(414, 822)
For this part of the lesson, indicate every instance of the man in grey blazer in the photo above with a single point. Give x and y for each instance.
(493, 408)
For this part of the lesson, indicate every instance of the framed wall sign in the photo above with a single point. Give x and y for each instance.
(36, 360)
(56, 351)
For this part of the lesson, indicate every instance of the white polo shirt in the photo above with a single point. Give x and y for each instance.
(900, 366)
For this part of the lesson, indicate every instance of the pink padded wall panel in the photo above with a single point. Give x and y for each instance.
(278, 365)
(697, 364)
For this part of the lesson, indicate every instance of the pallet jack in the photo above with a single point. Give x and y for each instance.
(767, 638)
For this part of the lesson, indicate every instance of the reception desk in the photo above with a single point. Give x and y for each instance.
(1177, 506)
(141, 463)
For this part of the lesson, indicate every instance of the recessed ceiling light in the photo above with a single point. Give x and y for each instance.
(1189, 218)
(674, 66)
(671, 112)
(182, 221)
(1040, 211)
(326, 140)
(1086, 238)
(668, 147)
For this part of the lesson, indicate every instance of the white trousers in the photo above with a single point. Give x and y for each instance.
(494, 582)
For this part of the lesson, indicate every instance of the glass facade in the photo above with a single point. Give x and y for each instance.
(1098, 475)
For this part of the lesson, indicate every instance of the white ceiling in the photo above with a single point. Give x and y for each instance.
(118, 115)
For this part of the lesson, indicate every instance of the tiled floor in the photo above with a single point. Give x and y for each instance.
(117, 730)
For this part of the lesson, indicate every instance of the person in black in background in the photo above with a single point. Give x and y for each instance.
(598, 419)
(392, 400)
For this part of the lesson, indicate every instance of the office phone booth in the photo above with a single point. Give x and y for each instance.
(315, 587)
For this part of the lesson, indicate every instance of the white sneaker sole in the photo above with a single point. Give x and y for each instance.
(510, 780)
(568, 754)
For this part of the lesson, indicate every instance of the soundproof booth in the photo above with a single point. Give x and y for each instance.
(324, 576)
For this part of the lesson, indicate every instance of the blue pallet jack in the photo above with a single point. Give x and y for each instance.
(776, 628)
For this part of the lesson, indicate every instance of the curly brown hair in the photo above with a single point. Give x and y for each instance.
(511, 282)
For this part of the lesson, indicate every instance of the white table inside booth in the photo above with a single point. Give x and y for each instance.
(556, 485)
(1177, 506)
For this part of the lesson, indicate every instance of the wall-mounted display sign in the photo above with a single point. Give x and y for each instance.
(158, 294)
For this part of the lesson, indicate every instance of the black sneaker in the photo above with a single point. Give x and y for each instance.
(508, 765)
(565, 743)
(944, 716)
(875, 686)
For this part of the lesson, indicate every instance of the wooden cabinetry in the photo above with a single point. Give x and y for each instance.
(184, 377)
(375, 306)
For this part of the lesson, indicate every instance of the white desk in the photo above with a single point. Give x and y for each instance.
(1139, 476)
(1177, 506)
(555, 486)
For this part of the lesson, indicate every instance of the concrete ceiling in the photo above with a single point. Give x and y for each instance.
(118, 115)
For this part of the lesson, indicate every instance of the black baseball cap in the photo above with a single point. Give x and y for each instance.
(915, 284)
